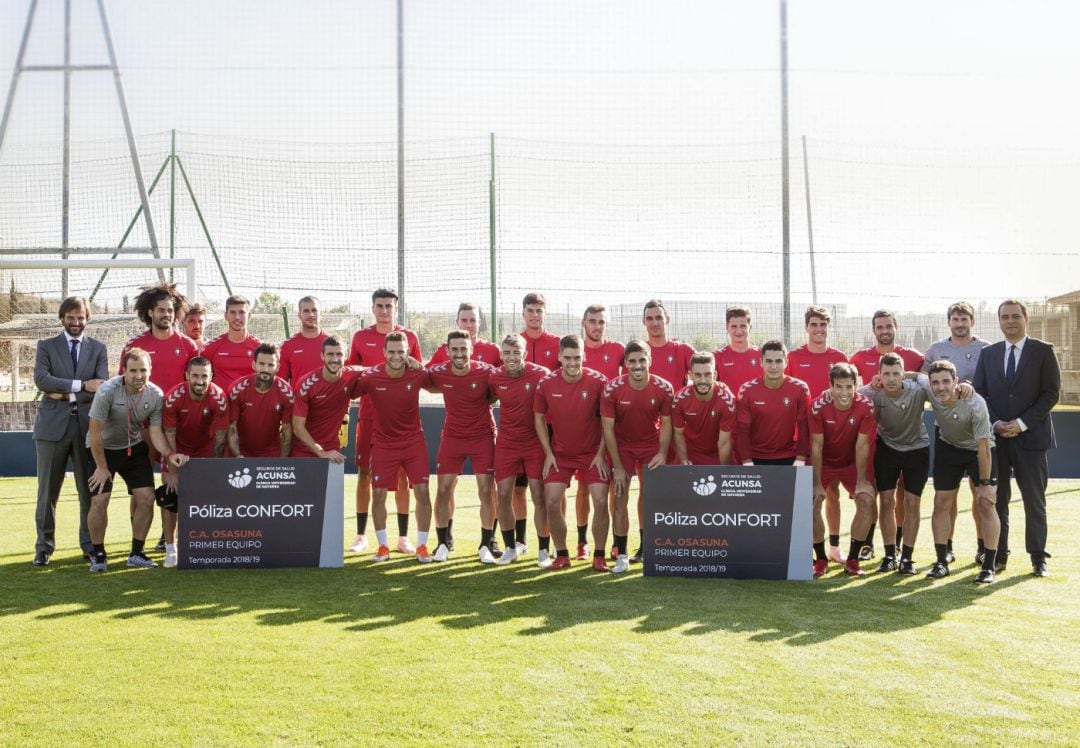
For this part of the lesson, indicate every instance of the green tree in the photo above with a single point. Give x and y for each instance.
(268, 303)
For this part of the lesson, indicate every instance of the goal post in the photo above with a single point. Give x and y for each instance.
(185, 263)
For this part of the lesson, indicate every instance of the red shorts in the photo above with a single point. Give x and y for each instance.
(365, 427)
(569, 467)
(387, 461)
(452, 454)
(636, 459)
(512, 460)
(700, 458)
(846, 477)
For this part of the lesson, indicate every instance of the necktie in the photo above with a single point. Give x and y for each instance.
(74, 355)
(1010, 367)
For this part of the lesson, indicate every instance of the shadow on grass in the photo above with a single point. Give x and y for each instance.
(461, 594)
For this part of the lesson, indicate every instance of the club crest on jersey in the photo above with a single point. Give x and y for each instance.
(787, 401)
(584, 395)
(408, 387)
(652, 401)
(278, 407)
(474, 385)
(967, 356)
(206, 411)
(903, 406)
(177, 351)
(605, 356)
(753, 362)
(671, 359)
(956, 416)
(851, 420)
(528, 386)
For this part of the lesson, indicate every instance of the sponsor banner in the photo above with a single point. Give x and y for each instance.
(260, 513)
(727, 521)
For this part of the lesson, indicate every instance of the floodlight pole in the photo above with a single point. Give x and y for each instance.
(809, 221)
(493, 324)
(401, 163)
(785, 187)
(65, 201)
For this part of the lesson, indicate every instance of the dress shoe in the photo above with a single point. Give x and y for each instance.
(1038, 569)
(41, 558)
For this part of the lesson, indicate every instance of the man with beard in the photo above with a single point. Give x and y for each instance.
(195, 418)
(669, 358)
(867, 362)
(231, 352)
(842, 427)
(635, 414)
(518, 451)
(194, 320)
(68, 369)
(115, 439)
(703, 416)
(302, 353)
(398, 445)
(322, 400)
(261, 409)
(965, 444)
(468, 321)
(570, 398)
(468, 433)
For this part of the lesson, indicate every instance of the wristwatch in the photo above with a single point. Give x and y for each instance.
(986, 481)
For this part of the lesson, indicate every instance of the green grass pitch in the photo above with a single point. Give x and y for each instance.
(460, 654)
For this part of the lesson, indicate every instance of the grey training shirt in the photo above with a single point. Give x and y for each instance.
(900, 419)
(110, 406)
(964, 422)
(964, 357)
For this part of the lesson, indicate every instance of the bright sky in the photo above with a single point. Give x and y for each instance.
(944, 157)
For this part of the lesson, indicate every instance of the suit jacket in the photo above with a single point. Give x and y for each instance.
(1034, 391)
(53, 373)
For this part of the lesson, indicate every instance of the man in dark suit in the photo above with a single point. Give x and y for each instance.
(1021, 381)
(68, 369)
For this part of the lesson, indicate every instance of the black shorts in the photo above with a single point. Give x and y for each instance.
(776, 461)
(951, 463)
(892, 464)
(135, 468)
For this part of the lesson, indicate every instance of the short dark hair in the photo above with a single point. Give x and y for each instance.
(535, 298)
(383, 293)
(268, 349)
(236, 300)
(332, 341)
(458, 335)
(843, 370)
(880, 313)
(1013, 302)
(135, 353)
(569, 341)
(71, 303)
(593, 309)
(198, 361)
(637, 346)
(942, 365)
(891, 359)
(194, 309)
(307, 300)
(774, 345)
(396, 336)
(703, 357)
(655, 304)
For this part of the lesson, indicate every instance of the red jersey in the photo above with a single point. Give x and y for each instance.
(637, 413)
(606, 358)
(482, 351)
(573, 409)
(841, 427)
(543, 350)
(168, 357)
(368, 346)
(396, 405)
(736, 369)
(300, 356)
(772, 423)
(230, 360)
(702, 422)
(671, 361)
(324, 405)
(258, 415)
(467, 399)
(516, 397)
(813, 368)
(195, 421)
(868, 361)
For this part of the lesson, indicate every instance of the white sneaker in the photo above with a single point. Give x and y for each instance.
(622, 564)
(521, 549)
(404, 546)
(835, 555)
(509, 556)
(170, 560)
(442, 552)
(359, 544)
(139, 561)
(543, 560)
(486, 556)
